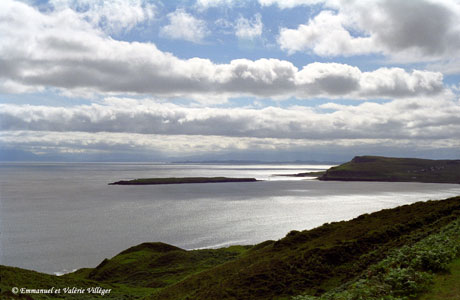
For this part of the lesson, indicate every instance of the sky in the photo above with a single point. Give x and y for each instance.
(269, 80)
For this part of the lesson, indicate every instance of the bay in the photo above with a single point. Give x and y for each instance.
(57, 217)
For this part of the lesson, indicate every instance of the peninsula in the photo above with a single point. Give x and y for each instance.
(181, 180)
(379, 168)
(392, 169)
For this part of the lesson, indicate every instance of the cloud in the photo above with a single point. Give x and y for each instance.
(406, 31)
(60, 50)
(420, 118)
(324, 35)
(205, 4)
(113, 16)
(184, 26)
(447, 66)
(284, 4)
(247, 29)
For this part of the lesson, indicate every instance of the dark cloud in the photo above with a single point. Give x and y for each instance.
(426, 26)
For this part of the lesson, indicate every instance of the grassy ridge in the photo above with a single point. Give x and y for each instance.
(181, 180)
(311, 262)
(377, 168)
(132, 274)
(156, 265)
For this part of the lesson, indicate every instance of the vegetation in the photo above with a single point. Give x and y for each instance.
(15, 277)
(157, 265)
(406, 272)
(390, 254)
(376, 168)
(174, 180)
(446, 286)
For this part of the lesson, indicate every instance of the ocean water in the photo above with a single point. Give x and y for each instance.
(57, 217)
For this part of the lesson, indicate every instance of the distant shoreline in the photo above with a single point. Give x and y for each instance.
(390, 169)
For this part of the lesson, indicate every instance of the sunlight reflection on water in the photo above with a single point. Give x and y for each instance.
(57, 217)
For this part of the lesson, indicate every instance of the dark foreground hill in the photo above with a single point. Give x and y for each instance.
(378, 168)
(304, 262)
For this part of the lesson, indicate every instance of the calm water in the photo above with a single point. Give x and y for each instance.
(59, 217)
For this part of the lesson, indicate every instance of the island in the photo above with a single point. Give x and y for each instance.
(379, 168)
(181, 180)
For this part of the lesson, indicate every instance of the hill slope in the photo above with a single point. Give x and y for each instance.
(377, 168)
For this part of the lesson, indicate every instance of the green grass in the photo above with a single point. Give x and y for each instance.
(181, 180)
(157, 265)
(16, 277)
(133, 274)
(445, 286)
(376, 168)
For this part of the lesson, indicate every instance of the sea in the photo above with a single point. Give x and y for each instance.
(59, 217)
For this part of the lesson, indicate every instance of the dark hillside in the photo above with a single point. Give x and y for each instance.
(377, 168)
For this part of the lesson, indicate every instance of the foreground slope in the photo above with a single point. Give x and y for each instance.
(378, 168)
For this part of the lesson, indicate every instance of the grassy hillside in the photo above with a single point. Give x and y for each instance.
(132, 274)
(376, 168)
(407, 272)
(156, 265)
(11, 277)
(313, 263)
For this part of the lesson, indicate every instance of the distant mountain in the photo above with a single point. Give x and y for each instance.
(379, 168)
(251, 162)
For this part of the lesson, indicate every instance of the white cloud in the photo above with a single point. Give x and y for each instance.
(184, 26)
(247, 29)
(283, 4)
(325, 36)
(14, 87)
(205, 4)
(113, 16)
(405, 31)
